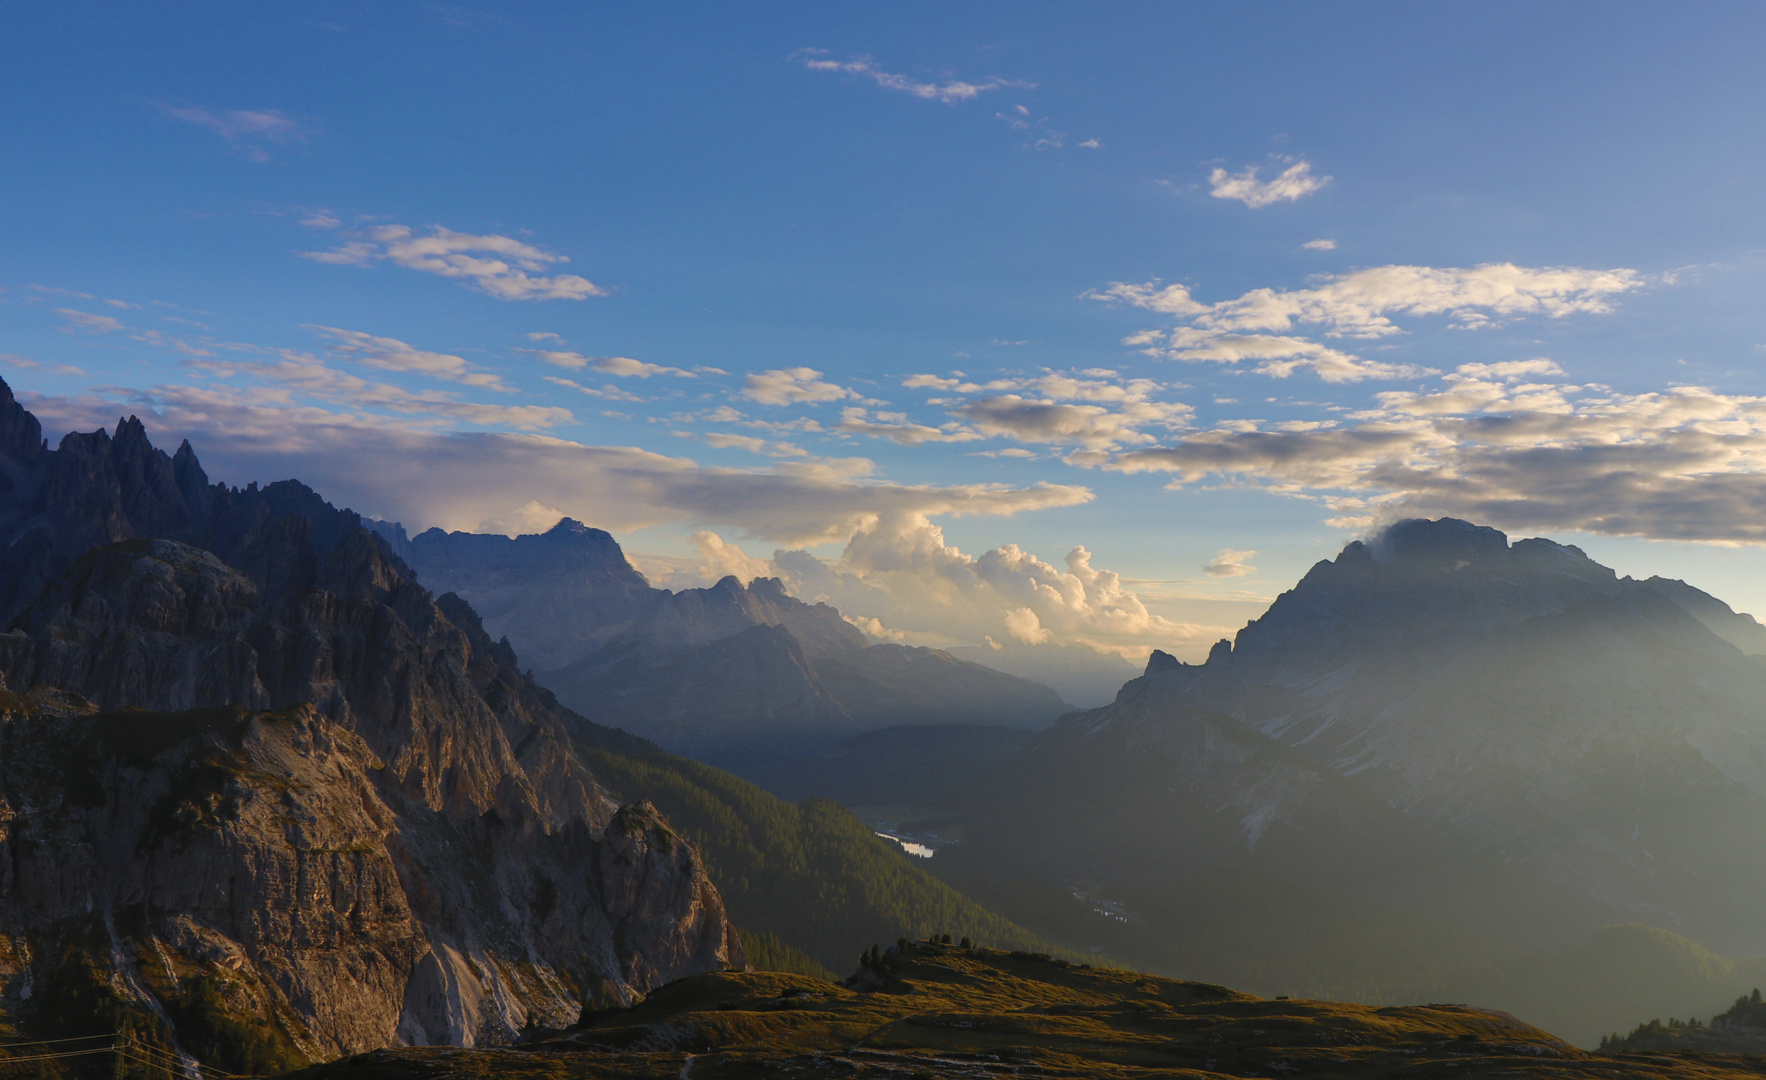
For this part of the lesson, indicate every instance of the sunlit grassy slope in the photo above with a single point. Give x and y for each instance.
(942, 1011)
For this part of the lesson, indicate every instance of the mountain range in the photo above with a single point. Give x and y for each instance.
(720, 672)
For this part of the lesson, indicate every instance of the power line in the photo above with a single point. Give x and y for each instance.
(74, 1038)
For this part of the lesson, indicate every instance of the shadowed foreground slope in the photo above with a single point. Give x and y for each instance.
(942, 1011)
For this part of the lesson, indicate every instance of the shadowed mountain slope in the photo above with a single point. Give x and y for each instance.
(378, 831)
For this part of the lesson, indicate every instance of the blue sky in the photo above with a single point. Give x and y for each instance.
(1226, 284)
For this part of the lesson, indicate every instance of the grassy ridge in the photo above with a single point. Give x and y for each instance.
(809, 874)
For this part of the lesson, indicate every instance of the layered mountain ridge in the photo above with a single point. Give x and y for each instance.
(713, 671)
(378, 832)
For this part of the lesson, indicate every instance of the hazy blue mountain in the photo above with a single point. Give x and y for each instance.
(706, 671)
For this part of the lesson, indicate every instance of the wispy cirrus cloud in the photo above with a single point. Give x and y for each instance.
(1292, 184)
(293, 381)
(87, 322)
(949, 91)
(250, 132)
(608, 365)
(391, 354)
(499, 266)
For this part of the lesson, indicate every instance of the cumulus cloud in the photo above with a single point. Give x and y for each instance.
(610, 365)
(251, 132)
(1259, 325)
(718, 560)
(790, 386)
(1320, 245)
(1295, 182)
(1685, 463)
(1228, 562)
(498, 266)
(899, 571)
(948, 92)
(391, 354)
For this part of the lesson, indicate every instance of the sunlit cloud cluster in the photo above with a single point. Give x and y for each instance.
(1259, 326)
(1495, 443)
(899, 579)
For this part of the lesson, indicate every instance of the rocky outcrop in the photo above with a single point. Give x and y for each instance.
(413, 850)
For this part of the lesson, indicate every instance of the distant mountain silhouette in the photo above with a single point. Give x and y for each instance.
(713, 672)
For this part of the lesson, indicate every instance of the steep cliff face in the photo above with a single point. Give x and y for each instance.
(415, 791)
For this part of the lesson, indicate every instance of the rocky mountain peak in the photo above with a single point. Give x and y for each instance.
(1447, 540)
(379, 828)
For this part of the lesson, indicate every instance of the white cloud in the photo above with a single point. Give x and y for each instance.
(293, 376)
(949, 91)
(1294, 182)
(623, 366)
(545, 335)
(92, 324)
(249, 131)
(391, 354)
(1228, 562)
(320, 219)
(718, 560)
(1153, 295)
(1258, 326)
(499, 266)
(1278, 356)
(900, 571)
(607, 391)
(1320, 245)
(1093, 144)
(1023, 624)
(1357, 304)
(896, 427)
(724, 441)
(791, 385)
(1686, 463)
